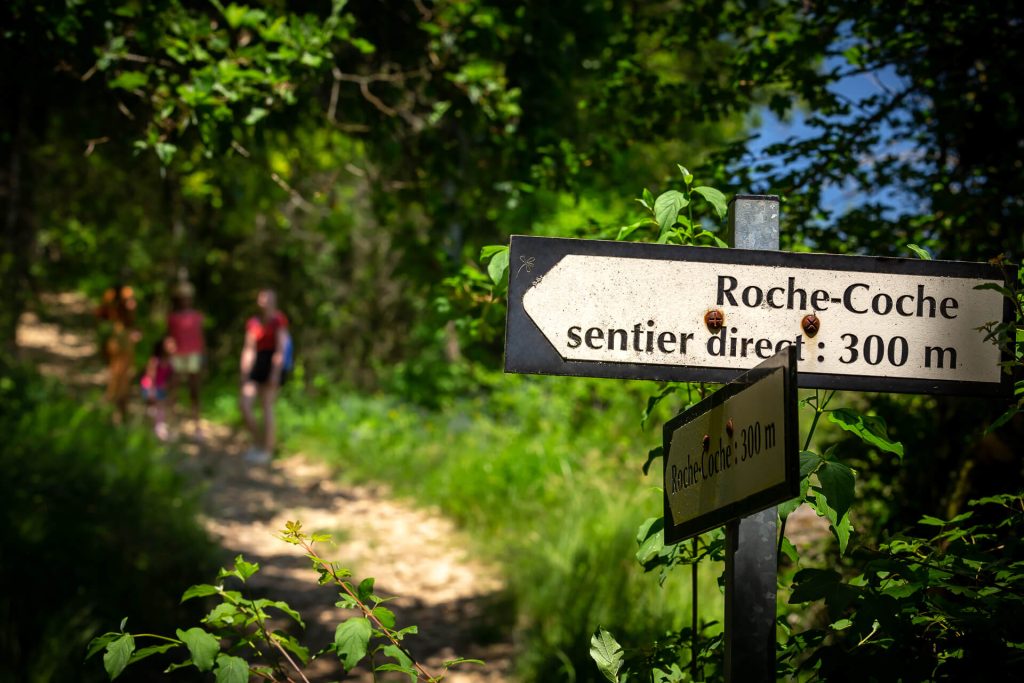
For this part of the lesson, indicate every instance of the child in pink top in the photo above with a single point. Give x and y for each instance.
(155, 382)
(185, 327)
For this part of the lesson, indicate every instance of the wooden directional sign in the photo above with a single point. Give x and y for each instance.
(734, 453)
(627, 310)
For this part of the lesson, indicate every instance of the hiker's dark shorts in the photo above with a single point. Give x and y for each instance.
(260, 372)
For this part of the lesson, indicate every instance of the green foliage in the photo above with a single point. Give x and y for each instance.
(241, 625)
(607, 654)
(675, 226)
(923, 606)
(867, 83)
(303, 146)
(1009, 337)
(94, 525)
(552, 517)
(351, 640)
(870, 428)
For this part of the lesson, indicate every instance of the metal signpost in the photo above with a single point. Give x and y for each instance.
(734, 454)
(751, 550)
(646, 311)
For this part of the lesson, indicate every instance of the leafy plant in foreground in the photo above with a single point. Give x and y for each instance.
(925, 606)
(239, 625)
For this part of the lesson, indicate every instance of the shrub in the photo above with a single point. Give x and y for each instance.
(94, 525)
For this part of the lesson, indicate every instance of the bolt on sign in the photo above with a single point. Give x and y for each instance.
(647, 311)
(734, 453)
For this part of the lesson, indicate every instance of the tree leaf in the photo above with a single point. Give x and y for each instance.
(385, 616)
(201, 645)
(199, 591)
(245, 569)
(687, 176)
(1003, 419)
(870, 428)
(100, 642)
(813, 584)
(652, 455)
(449, 663)
(129, 80)
(256, 114)
(490, 250)
(837, 483)
(231, 669)
(408, 671)
(789, 550)
(841, 526)
(653, 540)
(144, 652)
(351, 639)
(647, 199)
(289, 642)
(118, 654)
(284, 607)
(789, 507)
(607, 654)
(627, 230)
(365, 589)
(920, 251)
(653, 401)
(841, 624)
(165, 152)
(498, 266)
(715, 198)
(666, 208)
(404, 663)
(223, 614)
(809, 462)
(992, 286)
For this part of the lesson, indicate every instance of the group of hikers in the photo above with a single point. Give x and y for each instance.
(178, 358)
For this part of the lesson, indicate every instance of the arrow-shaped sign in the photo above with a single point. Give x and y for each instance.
(615, 309)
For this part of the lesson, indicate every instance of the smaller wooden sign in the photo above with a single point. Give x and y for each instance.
(734, 453)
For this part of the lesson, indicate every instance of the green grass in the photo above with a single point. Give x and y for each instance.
(95, 525)
(545, 474)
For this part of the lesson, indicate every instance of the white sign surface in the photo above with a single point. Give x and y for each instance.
(624, 309)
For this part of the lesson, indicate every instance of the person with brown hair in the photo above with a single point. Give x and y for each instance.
(262, 371)
(117, 327)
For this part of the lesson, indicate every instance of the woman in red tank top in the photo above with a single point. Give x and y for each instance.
(261, 367)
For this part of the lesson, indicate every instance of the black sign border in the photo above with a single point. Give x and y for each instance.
(785, 362)
(528, 351)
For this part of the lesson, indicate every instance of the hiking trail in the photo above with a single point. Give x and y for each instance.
(415, 555)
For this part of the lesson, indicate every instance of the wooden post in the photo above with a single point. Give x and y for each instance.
(751, 543)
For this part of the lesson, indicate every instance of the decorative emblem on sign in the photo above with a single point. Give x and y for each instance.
(528, 263)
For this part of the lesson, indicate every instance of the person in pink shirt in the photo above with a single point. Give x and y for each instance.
(185, 327)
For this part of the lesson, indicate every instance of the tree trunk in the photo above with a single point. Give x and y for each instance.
(17, 236)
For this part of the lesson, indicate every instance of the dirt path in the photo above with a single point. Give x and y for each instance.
(416, 556)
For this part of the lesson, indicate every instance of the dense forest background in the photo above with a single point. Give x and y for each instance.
(357, 156)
